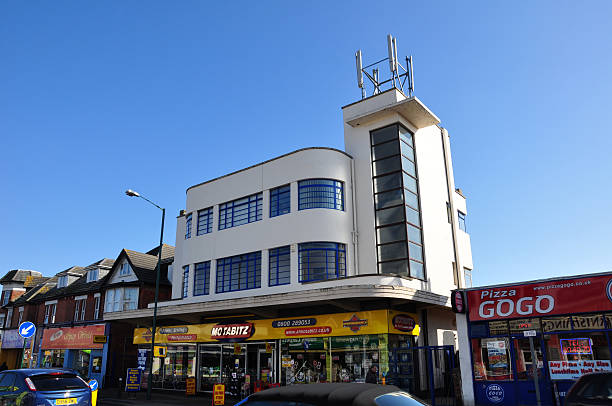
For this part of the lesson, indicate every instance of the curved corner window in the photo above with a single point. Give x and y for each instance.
(320, 193)
(321, 261)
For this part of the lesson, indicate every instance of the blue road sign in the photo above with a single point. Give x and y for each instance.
(93, 384)
(27, 329)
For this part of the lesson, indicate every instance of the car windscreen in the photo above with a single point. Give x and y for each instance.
(57, 381)
(397, 399)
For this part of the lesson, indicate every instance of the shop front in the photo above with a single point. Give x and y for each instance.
(253, 354)
(534, 340)
(80, 348)
(13, 349)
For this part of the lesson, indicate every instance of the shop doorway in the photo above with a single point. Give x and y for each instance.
(531, 379)
(425, 372)
(242, 367)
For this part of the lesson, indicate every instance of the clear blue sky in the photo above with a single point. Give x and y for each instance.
(98, 97)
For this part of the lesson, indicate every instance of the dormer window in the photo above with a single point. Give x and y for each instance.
(125, 269)
(92, 275)
(62, 281)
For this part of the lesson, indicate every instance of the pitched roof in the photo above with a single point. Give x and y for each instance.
(39, 289)
(144, 265)
(167, 251)
(18, 275)
(81, 285)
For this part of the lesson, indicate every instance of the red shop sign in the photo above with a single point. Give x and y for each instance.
(578, 295)
(72, 337)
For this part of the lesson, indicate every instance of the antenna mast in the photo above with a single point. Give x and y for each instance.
(398, 78)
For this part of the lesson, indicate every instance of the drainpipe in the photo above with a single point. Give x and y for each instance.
(453, 212)
(355, 234)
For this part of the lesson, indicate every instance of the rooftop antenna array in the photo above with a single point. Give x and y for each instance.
(399, 73)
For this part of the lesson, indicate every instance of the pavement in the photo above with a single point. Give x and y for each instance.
(111, 397)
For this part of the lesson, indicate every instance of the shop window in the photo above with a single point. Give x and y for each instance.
(354, 356)
(53, 359)
(80, 362)
(491, 359)
(305, 360)
(172, 371)
(572, 354)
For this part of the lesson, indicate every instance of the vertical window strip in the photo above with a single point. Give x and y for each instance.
(205, 221)
(201, 279)
(461, 217)
(241, 211)
(391, 253)
(185, 280)
(188, 226)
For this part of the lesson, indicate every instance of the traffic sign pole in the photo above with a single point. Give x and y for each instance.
(25, 330)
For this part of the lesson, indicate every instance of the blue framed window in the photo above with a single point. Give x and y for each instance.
(201, 278)
(185, 280)
(461, 217)
(320, 193)
(188, 226)
(239, 272)
(240, 211)
(280, 201)
(205, 221)
(279, 266)
(320, 261)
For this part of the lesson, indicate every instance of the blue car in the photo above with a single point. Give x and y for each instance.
(43, 387)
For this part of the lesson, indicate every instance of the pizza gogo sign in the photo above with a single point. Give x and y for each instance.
(579, 295)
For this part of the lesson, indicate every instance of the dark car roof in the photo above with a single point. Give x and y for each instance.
(336, 394)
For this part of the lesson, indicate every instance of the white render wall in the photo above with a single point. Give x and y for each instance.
(293, 228)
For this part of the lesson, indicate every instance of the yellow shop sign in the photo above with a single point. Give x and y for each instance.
(324, 325)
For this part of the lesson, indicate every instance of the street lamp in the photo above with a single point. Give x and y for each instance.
(132, 193)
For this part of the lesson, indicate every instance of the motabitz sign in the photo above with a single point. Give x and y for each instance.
(12, 339)
(81, 337)
(564, 296)
(232, 331)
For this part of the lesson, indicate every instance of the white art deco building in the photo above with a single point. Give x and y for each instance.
(321, 264)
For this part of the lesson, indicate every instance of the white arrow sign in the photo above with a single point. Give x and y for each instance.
(27, 329)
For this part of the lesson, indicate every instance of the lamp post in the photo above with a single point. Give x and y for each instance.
(132, 193)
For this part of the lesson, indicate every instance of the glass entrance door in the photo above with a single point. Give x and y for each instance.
(527, 367)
